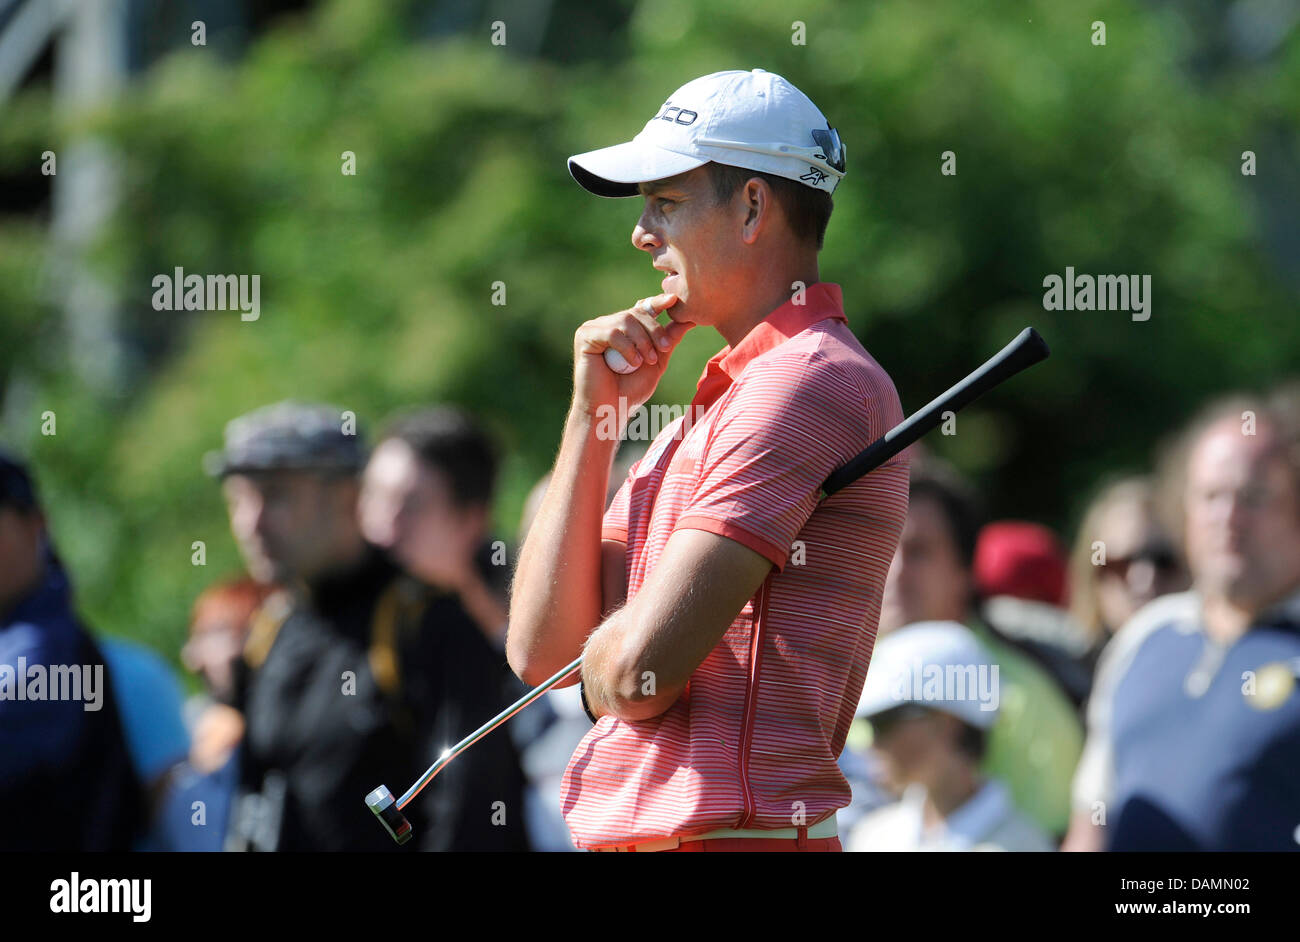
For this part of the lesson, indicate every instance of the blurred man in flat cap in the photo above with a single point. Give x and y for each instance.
(347, 679)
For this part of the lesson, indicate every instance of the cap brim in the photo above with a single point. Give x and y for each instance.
(214, 464)
(616, 171)
(220, 465)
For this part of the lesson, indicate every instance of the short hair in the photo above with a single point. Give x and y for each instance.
(957, 500)
(806, 209)
(454, 444)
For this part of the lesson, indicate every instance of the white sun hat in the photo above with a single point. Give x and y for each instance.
(935, 664)
(755, 120)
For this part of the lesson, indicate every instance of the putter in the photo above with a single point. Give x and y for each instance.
(1024, 351)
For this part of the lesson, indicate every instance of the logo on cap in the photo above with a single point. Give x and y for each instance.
(672, 113)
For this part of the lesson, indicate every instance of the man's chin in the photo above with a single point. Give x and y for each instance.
(680, 312)
(1228, 573)
(1237, 583)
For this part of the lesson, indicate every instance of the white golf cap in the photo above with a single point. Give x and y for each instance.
(755, 120)
(936, 664)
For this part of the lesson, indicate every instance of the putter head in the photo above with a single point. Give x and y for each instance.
(384, 805)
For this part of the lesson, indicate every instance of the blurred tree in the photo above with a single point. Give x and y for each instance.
(377, 288)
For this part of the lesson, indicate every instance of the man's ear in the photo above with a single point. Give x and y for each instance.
(756, 198)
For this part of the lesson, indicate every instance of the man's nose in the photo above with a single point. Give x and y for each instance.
(258, 518)
(247, 513)
(397, 523)
(376, 524)
(1233, 512)
(643, 238)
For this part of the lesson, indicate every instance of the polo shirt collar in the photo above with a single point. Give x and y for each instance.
(822, 300)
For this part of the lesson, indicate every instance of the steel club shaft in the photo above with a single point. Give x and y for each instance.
(483, 730)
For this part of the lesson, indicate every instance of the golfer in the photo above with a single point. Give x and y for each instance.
(725, 616)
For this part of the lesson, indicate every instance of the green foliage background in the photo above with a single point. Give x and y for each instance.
(376, 288)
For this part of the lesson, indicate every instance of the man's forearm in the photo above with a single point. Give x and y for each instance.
(556, 596)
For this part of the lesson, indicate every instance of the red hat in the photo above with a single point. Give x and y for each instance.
(1021, 559)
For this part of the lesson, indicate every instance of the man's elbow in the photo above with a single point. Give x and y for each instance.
(530, 672)
(524, 662)
(535, 667)
(519, 666)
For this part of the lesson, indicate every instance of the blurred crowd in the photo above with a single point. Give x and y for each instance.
(1135, 692)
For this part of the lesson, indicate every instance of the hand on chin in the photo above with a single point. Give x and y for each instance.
(681, 312)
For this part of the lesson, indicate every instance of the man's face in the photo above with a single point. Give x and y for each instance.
(407, 508)
(1243, 518)
(291, 524)
(926, 581)
(697, 241)
(21, 536)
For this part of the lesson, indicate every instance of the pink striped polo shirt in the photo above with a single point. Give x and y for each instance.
(752, 742)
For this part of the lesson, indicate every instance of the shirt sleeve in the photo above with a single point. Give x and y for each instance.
(614, 523)
(784, 427)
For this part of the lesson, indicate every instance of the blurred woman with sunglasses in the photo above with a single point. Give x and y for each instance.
(1123, 558)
